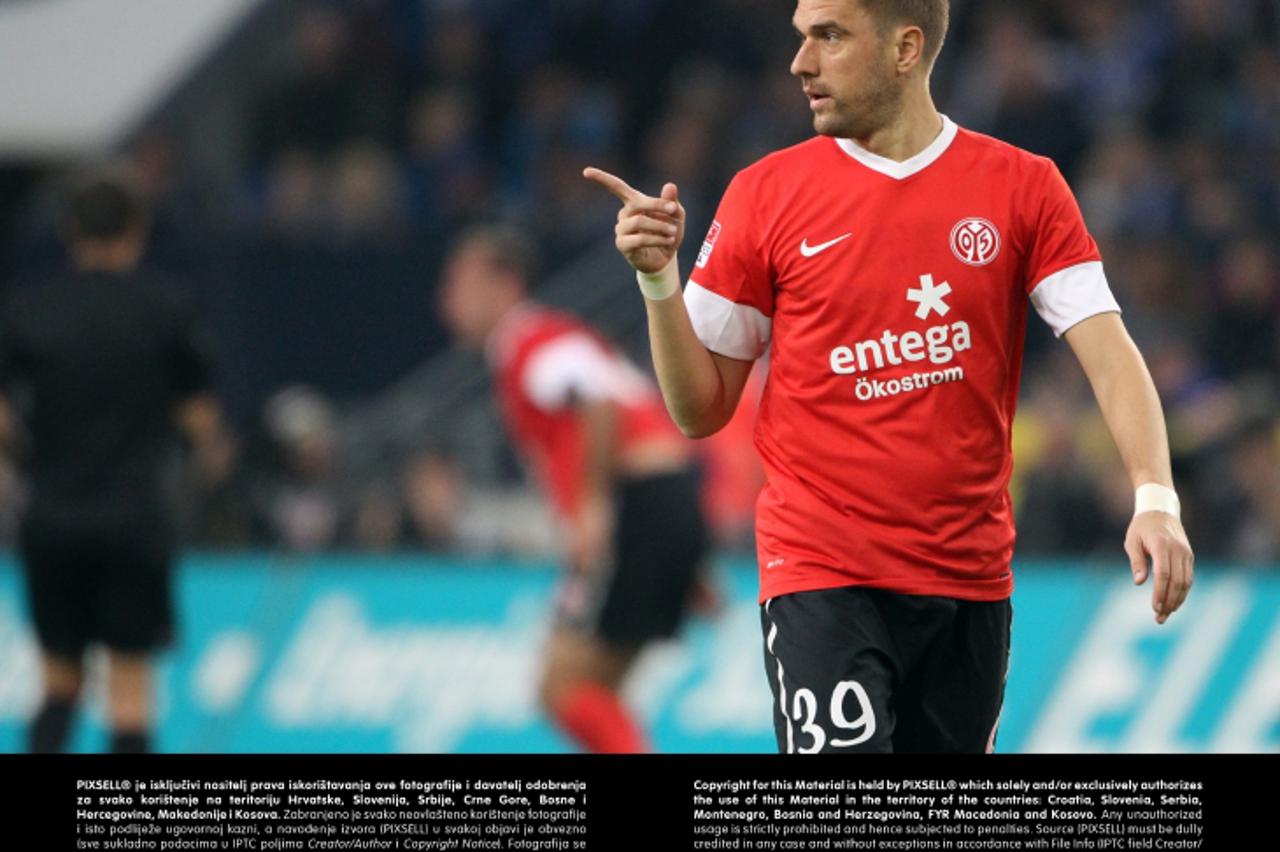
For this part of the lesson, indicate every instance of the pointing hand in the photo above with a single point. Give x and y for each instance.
(649, 230)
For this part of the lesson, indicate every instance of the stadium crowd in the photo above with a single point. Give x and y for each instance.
(388, 122)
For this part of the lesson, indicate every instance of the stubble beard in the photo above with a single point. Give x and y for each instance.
(865, 114)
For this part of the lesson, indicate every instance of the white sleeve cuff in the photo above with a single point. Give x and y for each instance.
(726, 327)
(1073, 294)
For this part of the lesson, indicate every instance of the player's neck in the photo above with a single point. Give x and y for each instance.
(915, 127)
(504, 327)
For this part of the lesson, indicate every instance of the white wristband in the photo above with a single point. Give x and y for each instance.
(662, 284)
(1156, 498)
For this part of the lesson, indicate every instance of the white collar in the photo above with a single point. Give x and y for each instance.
(908, 167)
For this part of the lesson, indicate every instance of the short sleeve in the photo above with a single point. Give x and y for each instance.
(576, 367)
(1064, 275)
(730, 291)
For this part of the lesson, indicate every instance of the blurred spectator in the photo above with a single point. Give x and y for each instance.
(327, 99)
(1200, 408)
(433, 491)
(1013, 90)
(378, 526)
(366, 196)
(422, 509)
(293, 201)
(449, 178)
(1199, 67)
(1061, 511)
(1113, 56)
(1125, 190)
(1255, 458)
(303, 505)
(1245, 326)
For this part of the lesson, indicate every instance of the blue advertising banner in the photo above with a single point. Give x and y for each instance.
(418, 654)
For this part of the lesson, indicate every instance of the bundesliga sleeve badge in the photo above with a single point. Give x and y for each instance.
(708, 245)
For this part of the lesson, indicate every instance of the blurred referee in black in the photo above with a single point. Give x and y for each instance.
(102, 365)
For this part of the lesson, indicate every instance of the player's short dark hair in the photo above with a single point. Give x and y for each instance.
(507, 247)
(931, 16)
(104, 205)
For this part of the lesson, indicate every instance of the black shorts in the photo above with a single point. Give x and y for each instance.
(102, 582)
(864, 670)
(660, 544)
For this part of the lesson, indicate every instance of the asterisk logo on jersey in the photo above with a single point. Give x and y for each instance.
(930, 297)
(975, 241)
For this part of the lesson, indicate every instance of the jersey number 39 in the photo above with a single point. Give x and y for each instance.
(804, 710)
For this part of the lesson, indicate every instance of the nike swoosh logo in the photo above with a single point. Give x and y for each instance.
(809, 251)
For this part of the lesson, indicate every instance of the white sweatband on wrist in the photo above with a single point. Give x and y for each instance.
(1156, 498)
(662, 284)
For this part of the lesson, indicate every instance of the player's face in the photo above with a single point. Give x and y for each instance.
(847, 67)
(467, 296)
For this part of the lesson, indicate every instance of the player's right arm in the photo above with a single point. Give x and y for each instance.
(701, 388)
(197, 410)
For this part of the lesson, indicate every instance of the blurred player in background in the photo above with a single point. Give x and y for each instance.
(888, 263)
(593, 429)
(100, 365)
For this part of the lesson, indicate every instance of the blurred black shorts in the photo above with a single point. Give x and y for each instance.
(99, 581)
(660, 545)
(866, 670)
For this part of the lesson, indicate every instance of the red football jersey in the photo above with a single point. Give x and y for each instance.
(545, 361)
(894, 298)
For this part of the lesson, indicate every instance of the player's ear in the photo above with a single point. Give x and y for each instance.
(909, 48)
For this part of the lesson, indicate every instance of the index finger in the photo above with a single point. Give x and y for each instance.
(618, 187)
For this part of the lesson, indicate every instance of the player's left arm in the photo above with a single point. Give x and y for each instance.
(197, 410)
(1131, 408)
(199, 417)
(593, 525)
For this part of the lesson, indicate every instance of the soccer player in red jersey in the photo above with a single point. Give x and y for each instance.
(888, 264)
(621, 477)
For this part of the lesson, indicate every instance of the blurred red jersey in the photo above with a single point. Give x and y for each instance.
(894, 298)
(544, 363)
